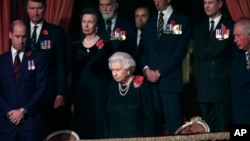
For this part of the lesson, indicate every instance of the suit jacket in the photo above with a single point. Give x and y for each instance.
(129, 44)
(52, 42)
(27, 92)
(139, 52)
(213, 59)
(166, 53)
(240, 89)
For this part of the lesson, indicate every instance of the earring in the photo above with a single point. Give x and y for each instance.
(128, 72)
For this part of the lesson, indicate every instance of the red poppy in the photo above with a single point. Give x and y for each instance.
(28, 54)
(138, 81)
(45, 32)
(172, 22)
(117, 29)
(100, 43)
(223, 26)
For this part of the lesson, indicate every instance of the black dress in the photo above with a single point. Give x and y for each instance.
(90, 76)
(130, 115)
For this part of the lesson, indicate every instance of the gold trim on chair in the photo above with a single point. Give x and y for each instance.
(195, 125)
(63, 135)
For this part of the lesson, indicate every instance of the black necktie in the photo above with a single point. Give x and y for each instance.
(109, 23)
(160, 25)
(17, 65)
(140, 45)
(33, 38)
(211, 28)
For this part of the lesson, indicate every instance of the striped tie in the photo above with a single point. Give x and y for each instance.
(17, 65)
(211, 28)
(160, 25)
(33, 38)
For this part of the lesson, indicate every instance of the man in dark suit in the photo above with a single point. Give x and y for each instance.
(120, 32)
(49, 39)
(23, 81)
(213, 51)
(165, 40)
(241, 73)
(141, 17)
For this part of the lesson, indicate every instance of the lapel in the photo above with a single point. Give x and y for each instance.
(102, 30)
(24, 67)
(207, 41)
(44, 35)
(10, 67)
(151, 33)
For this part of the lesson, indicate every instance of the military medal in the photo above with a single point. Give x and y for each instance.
(29, 65)
(247, 60)
(32, 65)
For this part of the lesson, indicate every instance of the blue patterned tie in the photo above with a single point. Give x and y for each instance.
(33, 38)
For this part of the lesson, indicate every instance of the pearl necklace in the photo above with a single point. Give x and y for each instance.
(124, 91)
(90, 43)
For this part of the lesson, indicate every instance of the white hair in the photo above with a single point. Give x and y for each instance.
(124, 58)
(245, 24)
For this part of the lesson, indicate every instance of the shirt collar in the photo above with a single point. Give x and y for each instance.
(39, 25)
(216, 20)
(167, 13)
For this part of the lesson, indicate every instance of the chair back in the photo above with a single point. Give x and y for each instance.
(194, 126)
(63, 135)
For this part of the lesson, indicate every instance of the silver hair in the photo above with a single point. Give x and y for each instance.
(245, 24)
(125, 59)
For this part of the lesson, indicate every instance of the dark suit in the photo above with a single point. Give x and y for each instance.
(129, 44)
(213, 59)
(139, 52)
(27, 93)
(57, 77)
(240, 90)
(166, 54)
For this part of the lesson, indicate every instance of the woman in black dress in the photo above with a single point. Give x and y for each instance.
(90, 75)
(129, 110)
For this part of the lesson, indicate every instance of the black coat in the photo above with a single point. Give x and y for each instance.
(213, 58)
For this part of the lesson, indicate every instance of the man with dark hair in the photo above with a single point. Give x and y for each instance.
(49, 39)
(213, 52)
(23, 81)
(141, 16)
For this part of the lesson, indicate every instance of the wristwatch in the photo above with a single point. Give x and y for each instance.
(23, 110)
